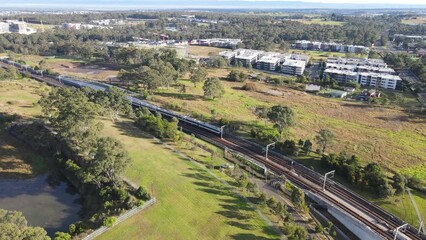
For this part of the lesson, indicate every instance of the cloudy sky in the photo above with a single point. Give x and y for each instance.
(125, 4)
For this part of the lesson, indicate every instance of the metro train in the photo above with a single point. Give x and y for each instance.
(140, 103)
(134, 101)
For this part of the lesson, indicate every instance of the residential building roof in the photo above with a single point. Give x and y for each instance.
(294, 63)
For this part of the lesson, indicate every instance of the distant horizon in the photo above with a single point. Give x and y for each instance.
(212, 4)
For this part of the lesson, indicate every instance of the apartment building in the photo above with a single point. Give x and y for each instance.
(342, 76)
(4, 27)
(358, 61)
(15, 26)
(293, 67)
(247, 57)
(268, 63)
(378, 80)
(228, 55)
(367, 72)
(330, 46)
(292, 64)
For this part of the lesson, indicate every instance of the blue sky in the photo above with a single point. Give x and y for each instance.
(129, 4)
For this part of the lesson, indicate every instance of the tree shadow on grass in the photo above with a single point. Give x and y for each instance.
(244, 226)
(127, 127)
(248, 236)
(183, 96)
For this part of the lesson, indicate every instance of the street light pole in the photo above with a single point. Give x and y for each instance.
(325, 178)
(397, 230)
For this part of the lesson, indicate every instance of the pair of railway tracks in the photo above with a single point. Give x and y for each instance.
(372, 216)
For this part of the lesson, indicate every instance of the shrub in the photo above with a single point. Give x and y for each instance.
(72, 228)
(109, 221)
(62, 236)
(250, 86)
(142, 194)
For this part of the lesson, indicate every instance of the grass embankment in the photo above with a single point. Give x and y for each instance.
(16, 159)
(390, 136)
(192, 204)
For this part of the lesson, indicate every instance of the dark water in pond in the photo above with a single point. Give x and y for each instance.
(47, 200)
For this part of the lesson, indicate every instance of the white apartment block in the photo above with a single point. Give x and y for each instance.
(247, 57)
(358, 62)
(378, 80)
(268, 63)
(366, 75)
(228, 55)
(4, 27)
(293, 67)
(343, 76)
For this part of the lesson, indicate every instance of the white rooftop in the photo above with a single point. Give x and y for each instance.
(343, 72)
(247, 54)
(294, 63)
(269, 59)
(381, 75)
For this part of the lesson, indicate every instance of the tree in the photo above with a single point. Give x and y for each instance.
(299, 233)
(62, 236)
(72, 113)
(149, 78)
(282, 117)
(261, 112)
(243, 181)
(237, 76)
(298, 197)
(114, 100)
(307, 147)
(14, 226)
(43, 65)
(325, 138)
(198, 75)
(110, 160)
(398, 183)
(213, 88)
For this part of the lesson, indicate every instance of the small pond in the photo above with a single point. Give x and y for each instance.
(46, 200)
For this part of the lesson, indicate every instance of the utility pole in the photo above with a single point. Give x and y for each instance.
(396, 231)
(266, 149)
(221, 131)
(325, 178)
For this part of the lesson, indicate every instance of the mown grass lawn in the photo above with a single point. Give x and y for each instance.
(191, 203)
(19, 97)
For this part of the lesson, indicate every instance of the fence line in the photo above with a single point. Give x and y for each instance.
(121, 218)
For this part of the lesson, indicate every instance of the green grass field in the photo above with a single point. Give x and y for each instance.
(383, 135)
(191, 203)
(320, 21)
(322, 55)
(414, 21)
(19, 97)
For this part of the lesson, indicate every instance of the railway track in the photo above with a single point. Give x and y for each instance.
(373, 217)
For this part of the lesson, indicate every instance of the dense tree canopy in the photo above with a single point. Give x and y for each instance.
(14, 226)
